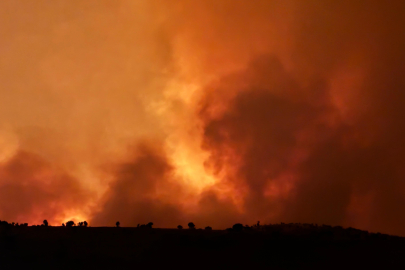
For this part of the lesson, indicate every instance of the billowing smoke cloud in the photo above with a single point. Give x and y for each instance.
(318, 145)
(262, 136)
(253, 110)
(290, 158)
(78, 84)
(146, 189)
(32, 190)
(142, 191)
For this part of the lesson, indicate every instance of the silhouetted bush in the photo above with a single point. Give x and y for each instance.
(179, 227)
(70, 223)
(45, 222)
(149, 225)
(4, 223)
(238, 227)
(117, 224)
(191, 225)
(208, 228)
(83, 224)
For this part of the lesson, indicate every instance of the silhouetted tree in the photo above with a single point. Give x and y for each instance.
(208, 228)
(149, 225)
(4, 223)
(238, 227)
(117, 224)
(63, 224)
(80, 224)
(70, 223)
(45, 223)
(191, 225)
(179, 227)
(85, 223)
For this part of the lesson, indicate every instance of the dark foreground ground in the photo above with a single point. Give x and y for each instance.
(130, 248)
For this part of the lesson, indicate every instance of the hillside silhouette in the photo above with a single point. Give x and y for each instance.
(276, 246)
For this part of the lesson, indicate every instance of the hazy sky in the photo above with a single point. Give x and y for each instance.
(210, 111)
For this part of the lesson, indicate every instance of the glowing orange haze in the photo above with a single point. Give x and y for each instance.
(210, 111)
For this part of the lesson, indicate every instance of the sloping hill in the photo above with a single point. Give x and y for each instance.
(282, 246)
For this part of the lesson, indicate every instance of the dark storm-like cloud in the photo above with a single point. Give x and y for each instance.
(329, 120)
(266, 129)
(371, 32)
(262, 128)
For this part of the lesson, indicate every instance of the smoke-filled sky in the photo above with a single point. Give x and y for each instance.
(210, 111)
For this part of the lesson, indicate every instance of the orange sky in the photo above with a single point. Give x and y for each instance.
(214, 112)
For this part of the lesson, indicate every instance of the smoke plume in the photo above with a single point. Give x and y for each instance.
(214, 112)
